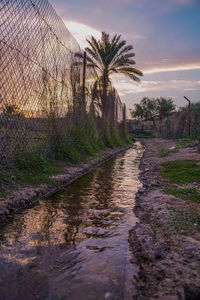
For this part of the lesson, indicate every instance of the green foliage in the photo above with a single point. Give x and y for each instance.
(30, 160)
(146, 110)
(183, 142)
(184, 193)
(112, 139)
(185, 220)
(129, 139)
(33, 167)
(111, 55)
(181, 171)
(165, 152)
(116, 139)
(108, 140)
(149, 108)
(164, 107)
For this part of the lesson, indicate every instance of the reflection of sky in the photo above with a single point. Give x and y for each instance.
(165, 35)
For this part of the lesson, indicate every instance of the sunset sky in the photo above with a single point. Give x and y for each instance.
(165, 35)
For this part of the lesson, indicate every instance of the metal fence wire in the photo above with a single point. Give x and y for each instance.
(39, 77)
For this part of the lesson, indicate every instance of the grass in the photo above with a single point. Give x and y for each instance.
(183, 142)
(165, 152)
(185, 220)
(37, 163)
(29, 168)
(181, 171)
(184, 193)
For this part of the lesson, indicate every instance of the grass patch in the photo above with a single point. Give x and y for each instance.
(5, 194)
(129, 139)
(184, 142)
(181, 171)
(185, 194)
(35, 177)
(34, 168)
(165, 152)
(112, 139)
(185, 220)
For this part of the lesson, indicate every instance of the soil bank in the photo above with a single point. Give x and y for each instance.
(168, 263)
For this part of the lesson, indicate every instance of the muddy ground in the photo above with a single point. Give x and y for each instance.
(168, 262)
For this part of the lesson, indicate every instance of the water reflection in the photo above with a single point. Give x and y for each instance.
(74, 246)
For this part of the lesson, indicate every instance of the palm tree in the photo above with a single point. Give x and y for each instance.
(107, 56)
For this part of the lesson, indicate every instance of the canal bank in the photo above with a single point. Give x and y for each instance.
(166, 242)
(25, 196)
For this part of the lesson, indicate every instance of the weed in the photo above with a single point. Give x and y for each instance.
(185, 220)
(183, 142)
(129, 139)
(153, 222)
(181, 171)
(184, 193)
(165, 152)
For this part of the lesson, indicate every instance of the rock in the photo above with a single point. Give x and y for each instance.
(140, 191)
(172, 148)
(107, 295)
(158, 255)
(146, 186)
(190, 247)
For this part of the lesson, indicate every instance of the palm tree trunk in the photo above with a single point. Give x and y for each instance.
(105, 111)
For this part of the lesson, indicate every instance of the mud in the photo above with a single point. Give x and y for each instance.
(168, 262)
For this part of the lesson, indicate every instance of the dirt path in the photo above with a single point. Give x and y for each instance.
(168, 261)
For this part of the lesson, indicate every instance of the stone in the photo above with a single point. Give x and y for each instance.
(145, 185)
(107, 295)
(172, 148)
(158, 255)
(140, 191)
(190, 247)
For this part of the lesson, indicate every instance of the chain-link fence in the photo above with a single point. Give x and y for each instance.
(43, 92)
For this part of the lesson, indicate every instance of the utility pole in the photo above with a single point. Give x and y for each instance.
(189, 115)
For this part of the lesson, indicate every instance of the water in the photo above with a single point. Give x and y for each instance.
(74, 245)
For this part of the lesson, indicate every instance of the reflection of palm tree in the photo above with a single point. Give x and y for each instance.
(107, 56)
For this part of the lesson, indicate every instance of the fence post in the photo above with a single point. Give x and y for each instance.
(124, 120)
(84, 75)
(189, 115)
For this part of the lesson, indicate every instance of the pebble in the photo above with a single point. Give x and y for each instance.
(140, 191)
(107, 295)
(172, 148)
(145, 185)
(158, 255)
(190, 247)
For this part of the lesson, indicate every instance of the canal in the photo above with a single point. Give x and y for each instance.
(74, 245)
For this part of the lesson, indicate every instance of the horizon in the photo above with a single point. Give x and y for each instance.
(167, 47)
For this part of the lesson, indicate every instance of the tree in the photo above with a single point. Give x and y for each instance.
(146, 110)
(107, 56)
(151, 109)
(165, 106)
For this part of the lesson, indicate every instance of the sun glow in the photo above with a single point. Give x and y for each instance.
(81, 32)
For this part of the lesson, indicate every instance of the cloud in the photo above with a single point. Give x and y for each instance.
(81, 32)
(126, 86)
(172, 68)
